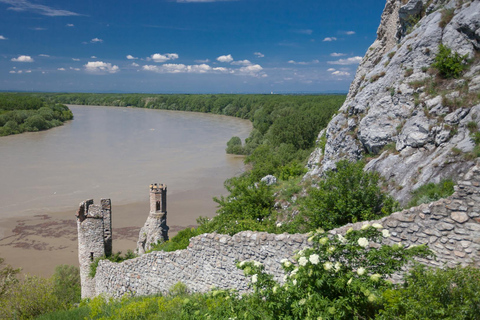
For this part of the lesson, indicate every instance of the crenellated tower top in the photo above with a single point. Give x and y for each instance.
(158, 198)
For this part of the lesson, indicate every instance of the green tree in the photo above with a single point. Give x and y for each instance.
(450, 65)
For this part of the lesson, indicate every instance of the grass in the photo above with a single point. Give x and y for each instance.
(447, 16)
(431, 192)
(377, 76)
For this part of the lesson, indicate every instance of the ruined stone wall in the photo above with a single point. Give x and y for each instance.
(450, 227)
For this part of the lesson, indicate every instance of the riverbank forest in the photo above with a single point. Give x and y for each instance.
(23, 113)
(354, 286)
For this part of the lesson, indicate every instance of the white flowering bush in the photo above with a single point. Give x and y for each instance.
(340, 277)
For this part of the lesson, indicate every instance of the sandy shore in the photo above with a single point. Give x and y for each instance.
(39, 242)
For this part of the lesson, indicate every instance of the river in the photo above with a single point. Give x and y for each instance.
(116, 153)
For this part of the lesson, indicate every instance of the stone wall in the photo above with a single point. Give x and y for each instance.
(450, 227)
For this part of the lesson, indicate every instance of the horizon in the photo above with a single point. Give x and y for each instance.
(184, 46)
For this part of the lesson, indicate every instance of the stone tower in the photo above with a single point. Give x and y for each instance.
(155, 228)
(94, 225)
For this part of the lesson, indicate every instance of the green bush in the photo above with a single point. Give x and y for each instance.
(346, 195)
(435, 294)
(448, 64)
(8, 277)
(178, 242)
(432, 192)
(234, 146)
(66, 282)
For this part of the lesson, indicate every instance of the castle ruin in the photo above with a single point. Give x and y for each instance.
(94, 226)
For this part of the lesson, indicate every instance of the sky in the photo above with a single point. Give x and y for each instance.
(184, 46)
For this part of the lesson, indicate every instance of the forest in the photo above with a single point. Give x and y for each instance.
(21, 113)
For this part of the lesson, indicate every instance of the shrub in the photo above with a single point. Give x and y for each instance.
(66, 282)
(431, 192)
(435, 294)
(447, 16)
(234, 146)
(448, 64)
(8, 277)
(339, 278)
(346, 195)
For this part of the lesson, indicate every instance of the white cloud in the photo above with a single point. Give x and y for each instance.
(253, 70)
(61, 69)
(44, 55)
(101, 67)
(23, 59)
(202, 61)
(259, 54)
(75, 59)
(157, 57)
(24, 5)
(182, 68)
(221, 69)
(130, 57)
(28, 71)
(337, 54)
(331, 69)
(12, 71)
(350, 33)
(93, 57)
(328, 39)
(135, 64)
(2, 37)
(304, 62)
(348, 61)
(70, 25)
(241, 63)
(96, 40)
(75, 69)
(225, 58)
(341, 73)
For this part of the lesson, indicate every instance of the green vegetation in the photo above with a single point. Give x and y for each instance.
(448, 64)
(431, 192)
(447, 16)
(31, 296)
(435, 294)
(116, 257)
(20, 113)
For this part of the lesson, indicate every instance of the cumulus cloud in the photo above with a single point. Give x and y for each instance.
(96, 40)
(61, 69)
(304, 62)
(252, 70)
(101, 67)
(341, 73)
(135, 64)
(75, 69)
(130, 57)
(348, 61)
(2, 37)
(259, 54)
(225, 58)
(75, 59)
(24, 5)
(23, 59)
(336, 54)
(350, 33)
(241, 63)
(157, 57)
(182, 68)
(331, 69)
(328, 39)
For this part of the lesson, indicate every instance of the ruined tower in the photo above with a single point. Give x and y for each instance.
(155, 229)
(94, 225)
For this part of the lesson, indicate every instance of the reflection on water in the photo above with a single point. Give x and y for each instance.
(116, 153)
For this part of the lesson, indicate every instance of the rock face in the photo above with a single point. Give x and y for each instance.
(398, 111)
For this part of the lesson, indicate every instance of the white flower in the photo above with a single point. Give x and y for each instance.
(287, 264)
(327, 265)
(323, 240)
(341, 238)
(349, 281)
(363, 242)
(375, 277)
(331, 249)
(254, 278)
(242, 263)
(257, 264)
(338, 265)
(302, 302)
(283, 261)
(361, 271)
(314, 259)
(294, 282)
(302, 261)
(377, 226)
(385, 233)
(365, 226)
(279, 225)
(294, 272)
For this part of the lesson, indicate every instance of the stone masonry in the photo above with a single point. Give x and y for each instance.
(450, 227)
(94, 226)
(155, 229)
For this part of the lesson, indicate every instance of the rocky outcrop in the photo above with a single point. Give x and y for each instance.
(411, 124)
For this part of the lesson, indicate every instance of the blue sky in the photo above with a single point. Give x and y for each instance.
(184, 46)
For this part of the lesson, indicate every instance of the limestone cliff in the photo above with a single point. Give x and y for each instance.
(414, 126)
